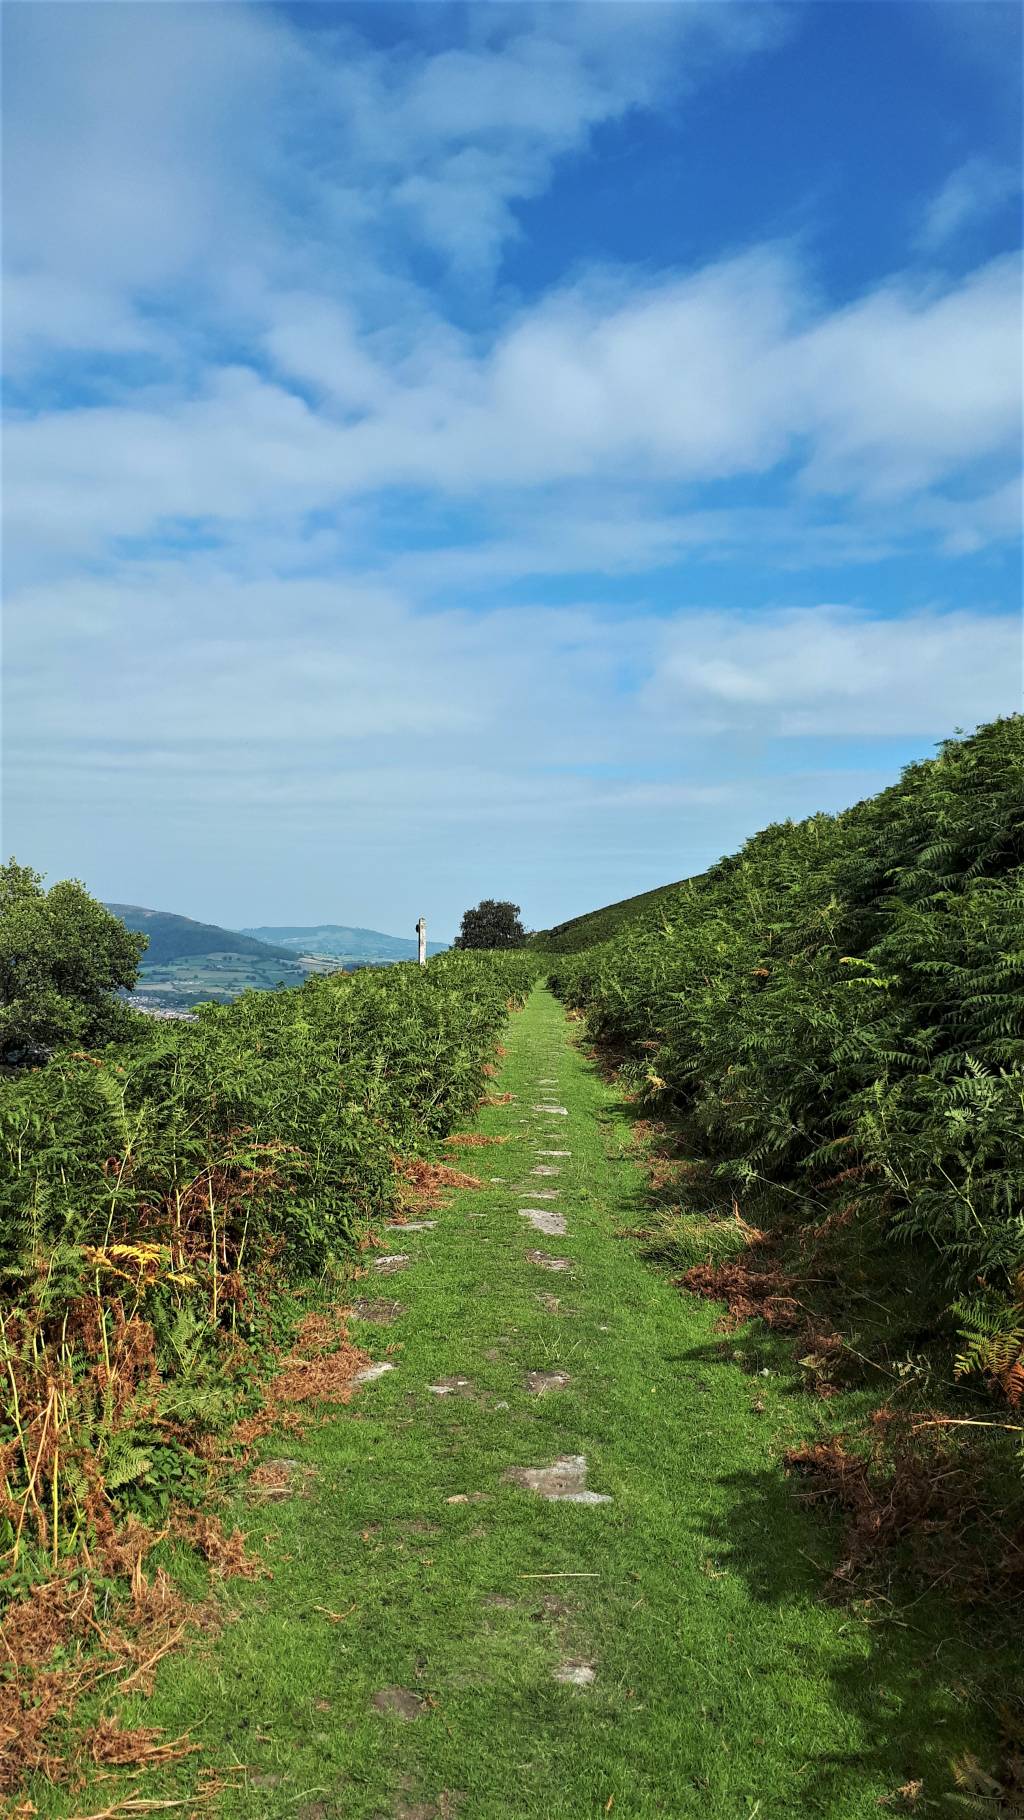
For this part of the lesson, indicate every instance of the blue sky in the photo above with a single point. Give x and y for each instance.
(504, 450)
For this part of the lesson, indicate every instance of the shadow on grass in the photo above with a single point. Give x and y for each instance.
(894, 1672)
(913, 1678)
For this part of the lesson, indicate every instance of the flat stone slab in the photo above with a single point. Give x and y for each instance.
(540, 1382)
(546, 1169)
(554, 1153)
(411, 1225)
(546, 1220)
(562, 1111)
(370, 1373)
(539, 1194)
(383, 1313)
(387, 1266)
(565, 1480)
(547, 1262)
(575, 1674)
(399, 1702)
(451, 1387)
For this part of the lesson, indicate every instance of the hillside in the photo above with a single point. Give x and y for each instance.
(340, 942)
(598, 925)
(174, 938)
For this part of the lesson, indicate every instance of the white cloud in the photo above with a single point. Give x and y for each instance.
(832, 671)
(721, 374)
(970, 194)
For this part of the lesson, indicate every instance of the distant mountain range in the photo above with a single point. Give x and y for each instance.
(175, 938)
(189, 962)
(342, 943)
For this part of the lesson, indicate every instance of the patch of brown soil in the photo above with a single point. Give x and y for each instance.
(472, 1140)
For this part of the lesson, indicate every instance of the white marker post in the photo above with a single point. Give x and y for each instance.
(421, 931)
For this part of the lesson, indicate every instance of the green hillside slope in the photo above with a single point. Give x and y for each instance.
(174, 938)
(599, 925)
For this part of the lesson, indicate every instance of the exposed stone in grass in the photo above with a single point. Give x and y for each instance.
(399, 1702)
(547, 1262)
(451, 1387)
(562, 1111)
(370, 1373)
(542, 1381)
(545, 1169)
(544, 1219)
(554, 1153)
(412, 1225)
(467, 1497)
(565, 1480)
(387, 1266)
(382, 1313)
(575, 1674)
(539, 1194)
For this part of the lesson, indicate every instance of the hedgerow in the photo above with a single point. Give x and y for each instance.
(158, 1195)
(838, 1009)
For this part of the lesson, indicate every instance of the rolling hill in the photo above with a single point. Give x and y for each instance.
(598, 925)
(174, 938)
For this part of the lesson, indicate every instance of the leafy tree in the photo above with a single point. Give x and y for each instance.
(62, 958)
(491, 925)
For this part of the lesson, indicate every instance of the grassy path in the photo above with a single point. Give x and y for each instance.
(722, 1685)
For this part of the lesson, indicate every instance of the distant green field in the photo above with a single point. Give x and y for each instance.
(179, 984)
(598, 925)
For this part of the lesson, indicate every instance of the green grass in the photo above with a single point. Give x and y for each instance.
(726, 1686)
(599, 925)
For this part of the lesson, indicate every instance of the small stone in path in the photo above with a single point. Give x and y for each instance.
(549, 1263)
(566, 1480)
(370, 1372)
(562, 1111)
(541, 1381)
(387, 1266)
(383, 1313)
(450, 1387)
(539, 1194)
(546, 1169)
(466, 1497)
(544, 1219)
(499, 1178)
(554, 1153)
(412, 1225)
(575, 1674)
(399, 1702)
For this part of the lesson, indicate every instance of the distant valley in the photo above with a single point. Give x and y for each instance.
(350, 947)
(188, 962)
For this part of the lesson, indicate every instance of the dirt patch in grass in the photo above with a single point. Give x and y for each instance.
(424, 1183)
(747, 1291)
(923, 1481)
(472, 1140)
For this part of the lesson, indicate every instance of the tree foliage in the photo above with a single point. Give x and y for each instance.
(839, 1007)
(157, 1194)
(62, 958)
(493, 924)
